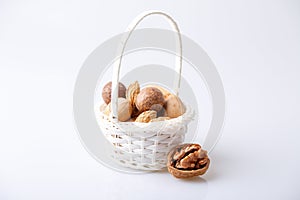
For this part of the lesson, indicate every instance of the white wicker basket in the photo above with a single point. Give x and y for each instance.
(143, 145)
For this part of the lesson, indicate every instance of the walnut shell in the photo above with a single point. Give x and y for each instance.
(132, 91)
(174, 106)
(149, 98)
(187, 160)
(124, 109)
(146, 116)
(106, 92)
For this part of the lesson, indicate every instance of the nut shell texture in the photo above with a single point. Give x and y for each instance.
(124, 109)
(106, 92)
(174, 106)
(132, 91)
(146, 116)
(187, 160)
(149, 98)
(165, 92)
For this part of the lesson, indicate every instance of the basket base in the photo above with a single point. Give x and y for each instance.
(139, 162)
(144, 146)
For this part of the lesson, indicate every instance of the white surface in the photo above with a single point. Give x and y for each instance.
(255, 46)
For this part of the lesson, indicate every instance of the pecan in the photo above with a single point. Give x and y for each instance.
(187, 160)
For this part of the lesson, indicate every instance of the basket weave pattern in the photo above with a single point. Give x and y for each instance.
(144, 145)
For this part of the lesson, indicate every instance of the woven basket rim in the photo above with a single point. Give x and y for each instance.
(187, 112)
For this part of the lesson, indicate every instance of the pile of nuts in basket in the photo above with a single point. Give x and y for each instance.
(149, 104)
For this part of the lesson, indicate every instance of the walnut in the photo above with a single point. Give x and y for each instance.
(132, 91)
(149, 98)
(187, 160)
(146, 116)
(106, 92)
(174, 106)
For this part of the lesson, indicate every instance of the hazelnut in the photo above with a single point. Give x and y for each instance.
(149, 98)
(106, 92)
(124, 109)
(165, 92)
(187, 160)
(174, 106)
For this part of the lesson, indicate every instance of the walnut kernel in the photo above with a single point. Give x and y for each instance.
(187, 160)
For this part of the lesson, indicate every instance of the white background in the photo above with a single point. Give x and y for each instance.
(255, 46)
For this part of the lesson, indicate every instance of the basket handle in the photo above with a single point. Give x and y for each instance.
(117, 63)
